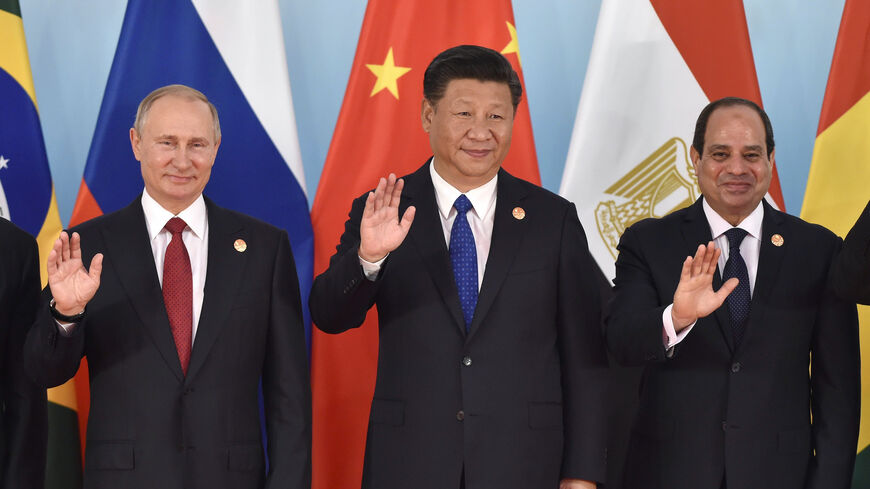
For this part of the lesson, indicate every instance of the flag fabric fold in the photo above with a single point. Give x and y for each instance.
(379, 132)
(27, 199)
(233, 52)
(648, 79)
(836, 187)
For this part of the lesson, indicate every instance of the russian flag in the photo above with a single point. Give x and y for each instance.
(233, 52)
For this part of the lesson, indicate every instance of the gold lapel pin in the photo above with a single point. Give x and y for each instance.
(519, 213)
(777, 240)
(240, 245)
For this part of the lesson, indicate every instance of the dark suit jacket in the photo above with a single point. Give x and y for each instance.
(23, 419)
(850, 275)
(150, 426)
(712, 409)
(519, 400)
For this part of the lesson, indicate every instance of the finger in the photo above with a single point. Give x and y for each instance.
(388, 190)
(75, 247)
(51, 264)
(96, 268)
(64, 251)
(379, 193)
(397, 193)
(408, 219)
(714, 260)
(709, 257)
(727, 288)
(369, 208)
(698, 261)
(686, 272)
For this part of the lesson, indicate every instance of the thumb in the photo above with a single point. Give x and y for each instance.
(408, 218)
(727, 288)
(96, 267)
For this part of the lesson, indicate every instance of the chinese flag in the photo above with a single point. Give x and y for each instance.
(379, 132)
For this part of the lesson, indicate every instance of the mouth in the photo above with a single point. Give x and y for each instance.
(179, 179)
(477, 153)
(736, 187)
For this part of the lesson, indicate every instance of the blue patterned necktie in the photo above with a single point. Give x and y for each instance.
(463, 257)
(739, 299)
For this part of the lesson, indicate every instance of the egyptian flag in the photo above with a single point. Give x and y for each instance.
(653, 67)
(233, 52)
(379, 132)
(27, 199)
(837, 185)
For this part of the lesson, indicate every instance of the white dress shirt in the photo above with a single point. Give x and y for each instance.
(195, 237)
(480, 218)
(750, 249)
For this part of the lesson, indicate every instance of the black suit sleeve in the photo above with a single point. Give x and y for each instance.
(341, 296)
(583, 357)
(850, 273)
(634, 323)
(24, 415)
(52, 358)
(835, 387)
(286, 386)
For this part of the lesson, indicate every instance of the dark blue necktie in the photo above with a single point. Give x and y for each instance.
(463, 256)
(739, 299)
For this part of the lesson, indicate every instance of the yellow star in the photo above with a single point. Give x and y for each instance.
(514, 45)
(388, 74)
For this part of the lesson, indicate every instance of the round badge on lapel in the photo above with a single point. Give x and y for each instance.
(519, 213)
(240, 245)
(777, 240)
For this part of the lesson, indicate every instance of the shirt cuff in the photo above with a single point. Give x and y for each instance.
(670, 337)
(370, 270)
(65, 329)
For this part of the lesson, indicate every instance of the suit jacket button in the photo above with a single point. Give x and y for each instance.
(735, 367)
(460, 415)
(466, 360)
(724, 426)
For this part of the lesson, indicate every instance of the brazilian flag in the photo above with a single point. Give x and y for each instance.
(27, 199)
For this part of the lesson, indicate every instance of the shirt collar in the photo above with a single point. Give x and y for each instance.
(482, 198)
(156, 217)
(751, 224)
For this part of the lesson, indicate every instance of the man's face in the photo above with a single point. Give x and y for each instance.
(734, 171)
(176, 150)
(469, 131)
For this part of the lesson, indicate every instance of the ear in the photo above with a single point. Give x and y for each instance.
(134, 143)
(695, 157)
(773, 158)
(427, 111)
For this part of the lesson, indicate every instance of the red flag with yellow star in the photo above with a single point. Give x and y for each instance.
(379, 132)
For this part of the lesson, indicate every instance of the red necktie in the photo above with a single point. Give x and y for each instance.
(178, 291)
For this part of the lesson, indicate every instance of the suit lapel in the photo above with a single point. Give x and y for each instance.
(696, 231)
(128, 245)
(769, 262)
(427, 236)
(507, 234)
(223, 277)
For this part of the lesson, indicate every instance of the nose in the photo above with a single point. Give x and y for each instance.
(737, 165)
(182, 158)
(479, 130)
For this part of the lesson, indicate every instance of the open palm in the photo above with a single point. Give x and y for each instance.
(380, 229)
(71, 285)
(694, 297)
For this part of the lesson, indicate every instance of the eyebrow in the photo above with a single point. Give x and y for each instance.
(753, 147)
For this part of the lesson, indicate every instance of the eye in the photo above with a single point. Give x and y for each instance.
(719, 155)
(752, 156)
(497, 117)
(464, 114)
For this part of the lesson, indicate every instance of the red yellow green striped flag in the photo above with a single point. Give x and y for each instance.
(837, 185)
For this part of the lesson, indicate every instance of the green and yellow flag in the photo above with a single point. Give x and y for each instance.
(837, 188)
(27, 199)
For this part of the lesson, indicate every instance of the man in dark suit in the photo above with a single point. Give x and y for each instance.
(850, 276)
(491, 363)
(191, 309)
(754, 384)
(23, 430)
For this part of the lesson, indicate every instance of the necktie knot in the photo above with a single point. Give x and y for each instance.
(462, 204)
(175, 225)
(735, 237)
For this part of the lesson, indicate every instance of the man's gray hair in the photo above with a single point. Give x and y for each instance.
(178, 91)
